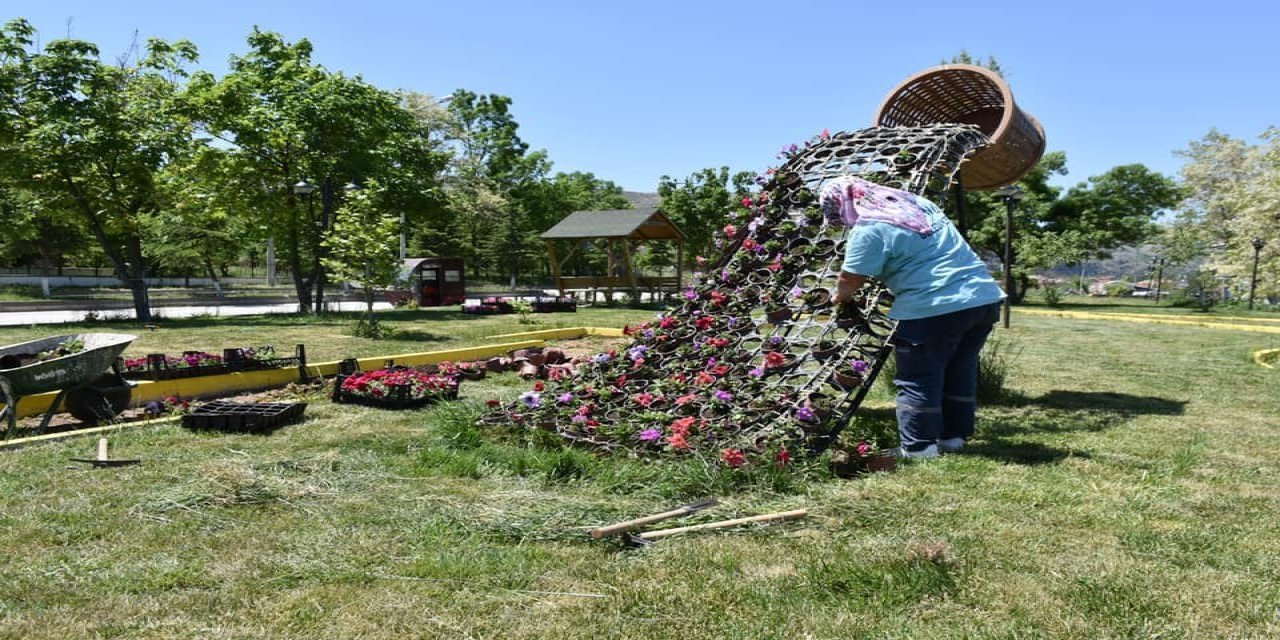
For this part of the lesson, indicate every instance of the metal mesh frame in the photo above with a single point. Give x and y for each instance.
(923, 160)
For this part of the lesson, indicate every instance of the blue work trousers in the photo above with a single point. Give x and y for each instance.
(937, 377)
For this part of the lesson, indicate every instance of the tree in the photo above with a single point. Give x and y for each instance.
(492, 182)
(362, 248)
(292, 120)
(86, 139)
(201, 220)
(700, 204)
(1233, 197)
(1116, 208)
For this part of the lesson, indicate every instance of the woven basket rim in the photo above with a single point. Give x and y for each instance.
(1006, 94)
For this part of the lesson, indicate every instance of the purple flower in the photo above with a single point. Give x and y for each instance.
(724, 275)
(578, 418)
(649, 435)
(796, 292)
(648, 333)
(722, 395)
(637, 352)
(690, 294)
(731, 321)
(756, 373)
(600, 358)
(565, 398)
(805, 414)
(859, 366)
(754, 224)
(531, 399)
(711, 362)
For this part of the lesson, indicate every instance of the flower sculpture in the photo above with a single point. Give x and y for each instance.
(731, 371)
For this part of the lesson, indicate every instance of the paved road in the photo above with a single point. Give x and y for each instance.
(59, 316)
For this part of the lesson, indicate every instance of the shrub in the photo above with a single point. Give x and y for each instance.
(993, 369)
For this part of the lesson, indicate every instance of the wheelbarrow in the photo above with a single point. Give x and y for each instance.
(85, 379)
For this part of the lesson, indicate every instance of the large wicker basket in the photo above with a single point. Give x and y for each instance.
(967, 94)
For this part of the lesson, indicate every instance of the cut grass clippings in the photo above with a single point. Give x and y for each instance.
(1125, 486)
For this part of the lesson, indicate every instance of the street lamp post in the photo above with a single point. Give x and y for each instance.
(1159, 276)
(1258, 243)
(1011, 196)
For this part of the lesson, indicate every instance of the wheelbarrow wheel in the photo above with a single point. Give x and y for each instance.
(100, 400)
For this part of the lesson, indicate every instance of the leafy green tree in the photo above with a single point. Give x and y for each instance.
(292, 120)
(1233, 198)
(86, 139)
(491, 182)
(1091, 219)
(363, 249)
(700, 204)
(201, 222)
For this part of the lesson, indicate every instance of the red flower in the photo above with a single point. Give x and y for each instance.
(718, 298)
(678, 441)
(720, 369)
(749, 244)
(734, 458)
(783, 458)
(667, 322)
(776, 265)
(730, 230)
(686, 399)
(718, 343)
(864, 448)
(746, 202)
(704, 378)
(704, 322)
(538, 386)
(621, 381)
(774, 359)
(643, 399)
(682, 425)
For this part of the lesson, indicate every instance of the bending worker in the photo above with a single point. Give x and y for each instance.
(945, 302)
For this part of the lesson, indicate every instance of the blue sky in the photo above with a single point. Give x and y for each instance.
(634, 90)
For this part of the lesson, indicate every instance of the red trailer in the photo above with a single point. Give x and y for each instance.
(431, 282)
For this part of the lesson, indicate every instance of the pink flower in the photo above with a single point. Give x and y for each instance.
(730, 230)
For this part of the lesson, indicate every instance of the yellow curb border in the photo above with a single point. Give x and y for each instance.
(1152, 319)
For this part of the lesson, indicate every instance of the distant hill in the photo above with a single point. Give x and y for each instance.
(641, 200)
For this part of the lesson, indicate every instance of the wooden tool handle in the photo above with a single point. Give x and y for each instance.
(768, 517)
(601, 532)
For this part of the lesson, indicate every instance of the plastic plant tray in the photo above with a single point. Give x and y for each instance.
(255, 417)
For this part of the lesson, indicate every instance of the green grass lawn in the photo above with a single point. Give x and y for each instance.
(1127, 488)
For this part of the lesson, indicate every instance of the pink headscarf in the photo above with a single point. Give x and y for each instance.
(847, 199)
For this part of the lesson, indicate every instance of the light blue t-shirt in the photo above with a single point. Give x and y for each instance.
(928, 275)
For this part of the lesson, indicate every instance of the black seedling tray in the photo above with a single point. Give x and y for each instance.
(252, 417)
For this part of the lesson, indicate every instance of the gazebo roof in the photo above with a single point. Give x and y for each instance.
(634, 224)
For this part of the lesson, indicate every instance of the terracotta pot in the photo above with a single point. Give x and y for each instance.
(528, 370)
(826, 352)
(846, 380)
(883, 461)
(778, 316)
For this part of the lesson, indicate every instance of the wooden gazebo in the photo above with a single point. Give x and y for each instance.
(621, 228)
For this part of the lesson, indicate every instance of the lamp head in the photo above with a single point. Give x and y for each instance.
(303, 188)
